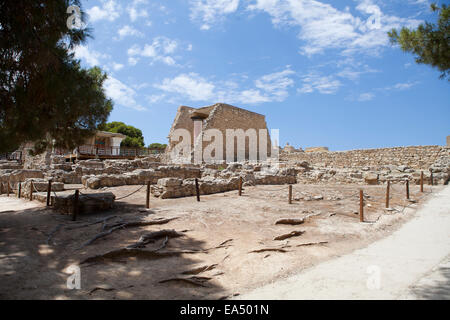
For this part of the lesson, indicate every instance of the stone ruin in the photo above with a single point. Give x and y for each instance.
(375, 166)
(221, 117)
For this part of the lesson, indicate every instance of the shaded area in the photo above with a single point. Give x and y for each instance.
(31, 268)
(434, 286)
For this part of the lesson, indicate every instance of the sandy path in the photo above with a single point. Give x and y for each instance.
(12, 203)
(412, 263)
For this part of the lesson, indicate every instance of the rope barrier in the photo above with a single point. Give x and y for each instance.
(34, 187)
(351, 196)
(276, 190)
(121, 198)
(132, 193)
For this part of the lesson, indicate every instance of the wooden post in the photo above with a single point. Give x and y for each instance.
(1, 187)
(407, 189)
(7, 188)
(290, 194)
(421, 181)
(361, 205)
(49, 190)
(31, 190)
(197, 189)
(20, 190)
(431, 178)
(387, 193)
(240, 186)
(76, 205)
(147, 204)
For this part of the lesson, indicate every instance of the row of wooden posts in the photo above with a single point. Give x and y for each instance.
(19, 191)
(361, 193)
(388, 187)
(197, 189)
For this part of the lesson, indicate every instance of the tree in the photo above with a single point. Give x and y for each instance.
(134, 138)
(157, 146)
(45, 96)
(430, 43)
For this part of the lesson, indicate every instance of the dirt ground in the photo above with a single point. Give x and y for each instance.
(214, 258)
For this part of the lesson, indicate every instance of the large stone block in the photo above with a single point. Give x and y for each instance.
(371, 179)
(170, 182)
(17, 176)
(88, 203)
(39, 185)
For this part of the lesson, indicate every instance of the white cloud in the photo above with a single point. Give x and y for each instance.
(251, 96)
(276, 84)
(117, 66)
(211, 11)
(155, 98)
(420, 2)
(366, 96)
(121, 94)
(268, 88)
(191, 85)
(158, 51)
(403, 86)
(321, 26)
(133, 61)
(323, 84)
(109, 10)
(354, 72)
(135, 11)
(92, 58)
(126, 31)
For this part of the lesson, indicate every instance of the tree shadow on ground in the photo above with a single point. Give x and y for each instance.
(435, 289)
(35, 255)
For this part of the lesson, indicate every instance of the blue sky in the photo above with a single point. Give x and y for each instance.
(323, 72)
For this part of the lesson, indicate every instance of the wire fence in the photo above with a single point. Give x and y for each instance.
(367, 197)
(395, 192)
(132, 193)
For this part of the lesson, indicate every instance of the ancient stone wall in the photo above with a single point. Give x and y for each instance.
(220, 117)
(225, 117)
(139, 176)
(417, 157)
(182, 121)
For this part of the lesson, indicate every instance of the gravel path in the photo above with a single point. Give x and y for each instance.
(412, 263)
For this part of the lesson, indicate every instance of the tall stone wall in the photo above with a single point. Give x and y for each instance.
(416, 157)
(221, 117)
(225, 117)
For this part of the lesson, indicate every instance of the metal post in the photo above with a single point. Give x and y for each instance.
(197, 189)
(49, 190)
(76, 205)
(387, 193)
(147, 205)
(290, 194)
(361, 205)
(19, 195)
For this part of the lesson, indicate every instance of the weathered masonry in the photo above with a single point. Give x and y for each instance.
(221, 117)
